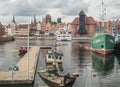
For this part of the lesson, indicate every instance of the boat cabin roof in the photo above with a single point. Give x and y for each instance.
(55, 52)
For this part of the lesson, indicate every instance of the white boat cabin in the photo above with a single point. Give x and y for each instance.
(53, 56)
(117, 37)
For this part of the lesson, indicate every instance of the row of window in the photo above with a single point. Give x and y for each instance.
(52, 57)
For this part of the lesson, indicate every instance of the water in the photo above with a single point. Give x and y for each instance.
(95, 70)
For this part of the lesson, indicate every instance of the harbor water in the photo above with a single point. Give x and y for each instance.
(94, 70)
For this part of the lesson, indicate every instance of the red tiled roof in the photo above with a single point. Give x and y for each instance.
(90, 20)
(75, 21)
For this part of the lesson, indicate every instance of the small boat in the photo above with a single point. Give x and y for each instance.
(52, 67)
(22, 51)
(54, 77)
(53, 56)
(54, 80)
(63, 35)
(6, 39)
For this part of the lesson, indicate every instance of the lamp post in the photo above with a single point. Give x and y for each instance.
(28, 53)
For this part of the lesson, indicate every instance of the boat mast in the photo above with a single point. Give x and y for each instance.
(102, 16)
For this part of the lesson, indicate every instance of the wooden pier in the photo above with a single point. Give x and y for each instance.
(21, 76)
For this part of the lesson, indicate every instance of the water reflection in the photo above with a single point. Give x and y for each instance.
(103, 64)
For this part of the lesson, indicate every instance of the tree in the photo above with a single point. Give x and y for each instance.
(59, 20)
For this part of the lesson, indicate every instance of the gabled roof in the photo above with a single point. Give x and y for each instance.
(90, 20)
(75, 21)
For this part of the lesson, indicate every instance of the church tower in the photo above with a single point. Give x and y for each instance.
(13, 20)
(35, 19)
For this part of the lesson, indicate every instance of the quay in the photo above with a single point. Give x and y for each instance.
(22, 77)
(81, 39)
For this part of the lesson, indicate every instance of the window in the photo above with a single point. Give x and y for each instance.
(49, 56)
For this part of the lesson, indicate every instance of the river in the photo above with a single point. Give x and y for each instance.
(95, 70)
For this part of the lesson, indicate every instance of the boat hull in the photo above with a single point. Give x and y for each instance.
(52, 82)
(103, 51)
(103, 43)
(6, 39)
(117, 47)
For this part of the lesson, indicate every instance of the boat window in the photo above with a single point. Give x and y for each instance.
(56, 57)
(49, 56)
(52, 57)
(102, 46)
(60, 57)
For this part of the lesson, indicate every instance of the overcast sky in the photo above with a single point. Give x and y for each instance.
(66, 9)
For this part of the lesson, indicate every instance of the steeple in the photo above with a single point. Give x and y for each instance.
(35, 19)
(13, 20)
(31, 20)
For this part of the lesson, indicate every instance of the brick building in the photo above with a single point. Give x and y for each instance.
(83, 25)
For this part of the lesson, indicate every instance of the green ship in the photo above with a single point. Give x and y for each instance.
(103, 43)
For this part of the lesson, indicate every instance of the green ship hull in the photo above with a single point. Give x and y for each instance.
(103, 43)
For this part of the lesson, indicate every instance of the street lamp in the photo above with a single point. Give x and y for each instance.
(28, 53)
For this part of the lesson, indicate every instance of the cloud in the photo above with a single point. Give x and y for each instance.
(56, 8)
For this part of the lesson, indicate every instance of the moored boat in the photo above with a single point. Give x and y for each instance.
(63, 35)
(57, 81)
(117, 43)
(53, 56)
(6, 39)
(22, 51)
(103, 43)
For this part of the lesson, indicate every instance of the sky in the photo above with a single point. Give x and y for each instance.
(67, 10)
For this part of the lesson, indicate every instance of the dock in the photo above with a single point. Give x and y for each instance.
(21, 76)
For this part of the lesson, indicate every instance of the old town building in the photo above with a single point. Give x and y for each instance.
(83, 25)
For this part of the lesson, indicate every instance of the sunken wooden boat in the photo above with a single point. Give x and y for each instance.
(54, 80)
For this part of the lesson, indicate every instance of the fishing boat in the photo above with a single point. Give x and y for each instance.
(54, 80)
(52, 56)
(52, 67)
(103, 42)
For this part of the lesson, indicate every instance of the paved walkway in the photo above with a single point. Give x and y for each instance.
(22, 73)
